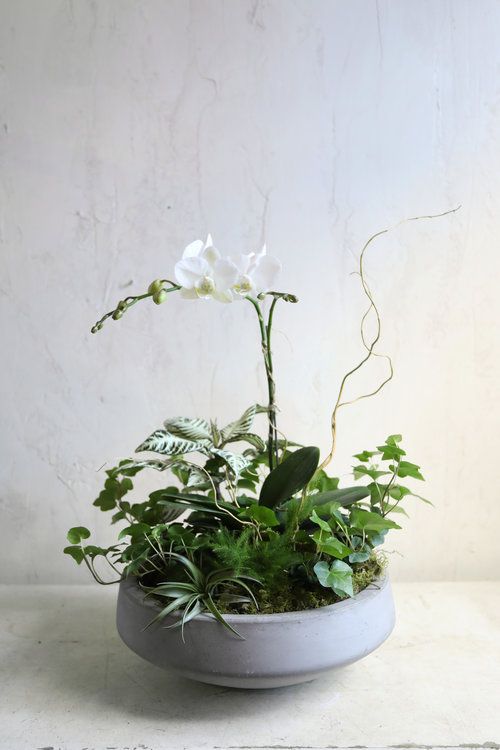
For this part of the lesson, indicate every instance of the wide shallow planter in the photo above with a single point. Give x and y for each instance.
(279, 649)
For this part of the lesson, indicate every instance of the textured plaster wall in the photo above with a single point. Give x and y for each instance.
(129, 128)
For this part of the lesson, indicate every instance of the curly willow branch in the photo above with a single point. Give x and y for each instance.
(369, 346)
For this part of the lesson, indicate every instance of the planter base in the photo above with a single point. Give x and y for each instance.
(278, 650)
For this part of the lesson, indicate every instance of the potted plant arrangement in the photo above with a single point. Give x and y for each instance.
(251, 566)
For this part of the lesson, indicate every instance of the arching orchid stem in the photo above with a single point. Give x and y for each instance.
(158, 294)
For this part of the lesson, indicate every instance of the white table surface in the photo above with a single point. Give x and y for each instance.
(68, 682)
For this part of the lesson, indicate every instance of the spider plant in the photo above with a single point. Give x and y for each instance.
(199, 593)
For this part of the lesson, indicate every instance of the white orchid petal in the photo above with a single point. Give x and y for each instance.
(209, 241)
(225, 296)
(266, 272)
(211, 255)
(243, 262)
(225, 274)
(193, 249)
(189, 294)
(189, 270)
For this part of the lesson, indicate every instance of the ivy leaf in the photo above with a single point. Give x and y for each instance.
(162, 441)
(322, 482)
(261, 514)
(391, 452)
(106, 500)
(92, 551)
(135, 532)
(394, 439)
(407, 469)
(324, 525)
(365, 456)
(77, 533)
(359, 557)
(365, 520)
(337, 576)
(290, 476)
(75, 552)
(330, 545)
(361, 471)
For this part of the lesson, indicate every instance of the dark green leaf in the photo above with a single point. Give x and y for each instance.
(261, 514)
(290, 476)
(344, 496)
(135, 532)
(75, 552)
(106, 500)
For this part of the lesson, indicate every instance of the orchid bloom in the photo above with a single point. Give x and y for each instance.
(257, 273)
(202, 273)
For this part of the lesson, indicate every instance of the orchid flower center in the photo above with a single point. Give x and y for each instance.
(243, 285)
(205, 286)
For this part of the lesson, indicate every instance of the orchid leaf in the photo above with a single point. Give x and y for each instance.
(290, 476)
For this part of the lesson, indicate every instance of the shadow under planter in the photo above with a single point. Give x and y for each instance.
(277, 650)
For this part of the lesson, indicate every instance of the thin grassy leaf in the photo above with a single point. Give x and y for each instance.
(209, 604)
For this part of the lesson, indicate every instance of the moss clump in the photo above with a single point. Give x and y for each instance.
(294, 595)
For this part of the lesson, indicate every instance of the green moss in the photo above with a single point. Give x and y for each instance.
(294, 595)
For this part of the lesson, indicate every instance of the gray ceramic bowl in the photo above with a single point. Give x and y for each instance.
(280, 649)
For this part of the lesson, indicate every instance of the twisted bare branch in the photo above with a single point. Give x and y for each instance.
(369, 346)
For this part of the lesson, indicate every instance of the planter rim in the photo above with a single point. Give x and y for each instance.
(367, 593)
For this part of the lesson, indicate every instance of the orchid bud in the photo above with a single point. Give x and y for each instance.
(156, 286)
(159, 296)
(117, 314)
(122, 305)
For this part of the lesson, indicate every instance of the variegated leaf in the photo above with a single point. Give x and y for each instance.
(236, 462)
(161, 441)
(148, 463)
(240, 426)
(188, 429)
(171, 512)
(252, 438)
(197, 477)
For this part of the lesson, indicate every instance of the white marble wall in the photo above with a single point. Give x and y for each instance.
(129, 128)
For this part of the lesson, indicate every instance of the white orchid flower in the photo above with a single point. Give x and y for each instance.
(202, 273)
(257, 273)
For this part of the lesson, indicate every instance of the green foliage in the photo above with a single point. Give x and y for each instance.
(77, 533)
(289, 477)
(262, 515)
(337, 576)
(212, 541)
(199, 592)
